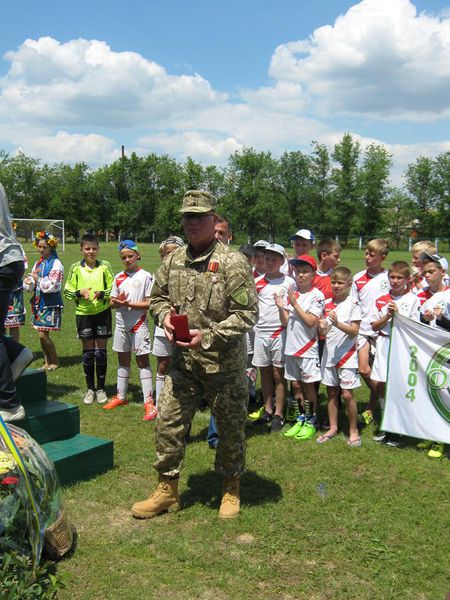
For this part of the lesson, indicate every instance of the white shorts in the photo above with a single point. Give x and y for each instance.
(268, 351)
(365, 339)
(127, 341)
(379, 369)
(250, 339)
(346, 379)
(161, 346)
(306, 370)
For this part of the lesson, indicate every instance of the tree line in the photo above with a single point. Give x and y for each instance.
(342, 190)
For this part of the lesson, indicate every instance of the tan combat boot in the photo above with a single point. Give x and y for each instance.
(165, 498)
(230, 505)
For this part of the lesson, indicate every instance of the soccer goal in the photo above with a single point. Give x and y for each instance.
(26, 229)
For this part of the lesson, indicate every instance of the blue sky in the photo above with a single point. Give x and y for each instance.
(206, 78)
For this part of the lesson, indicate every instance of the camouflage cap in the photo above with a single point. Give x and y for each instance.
(197, 201)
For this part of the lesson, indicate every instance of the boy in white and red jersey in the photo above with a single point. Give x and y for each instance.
(418, 280)
(258, 269)
(302, 241)
(162, 348)
(339, 367)
(398, 299)
(269, 336)
(302, 366)
(368, 285)
(329, 255)
(435, 298)
(435, 312)
(259, 260)
(130, 296)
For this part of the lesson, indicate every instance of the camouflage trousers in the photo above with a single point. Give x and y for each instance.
(226, 394)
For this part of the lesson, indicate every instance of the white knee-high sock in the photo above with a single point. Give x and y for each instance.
(145, 375)
(159, 385)
(123, 376)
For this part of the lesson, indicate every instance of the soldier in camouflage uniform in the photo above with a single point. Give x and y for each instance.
(214, 287)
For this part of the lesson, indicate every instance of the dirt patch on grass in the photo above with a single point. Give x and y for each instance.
(245, 538)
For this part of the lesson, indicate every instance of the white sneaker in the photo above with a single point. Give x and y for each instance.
(22, 361)
(89, 397)
(101, 396)
(13, 414)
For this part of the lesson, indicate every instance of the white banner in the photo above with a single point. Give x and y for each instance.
(418, 381)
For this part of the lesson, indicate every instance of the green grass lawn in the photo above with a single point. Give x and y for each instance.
(317, 522)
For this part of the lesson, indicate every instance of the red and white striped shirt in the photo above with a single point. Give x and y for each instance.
(366, 288)
(137, 286)
(301, 340)
(269, 323)
(429, 301)
(408, 306)
(341, 348)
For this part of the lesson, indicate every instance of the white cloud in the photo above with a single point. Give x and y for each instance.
(381, 58)
(284, 96)
(70, 148)
(71, 101)
(202, 146)
(406, 154)
(262, 127)
(85, 83)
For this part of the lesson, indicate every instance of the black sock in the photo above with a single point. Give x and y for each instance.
(101, 365)
(88, 366)
(307, 408)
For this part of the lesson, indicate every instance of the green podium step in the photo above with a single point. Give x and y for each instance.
(49, 421)
(32, 386)
(56, 427)
(80, 457)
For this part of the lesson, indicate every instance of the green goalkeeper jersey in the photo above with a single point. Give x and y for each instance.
(97, 279)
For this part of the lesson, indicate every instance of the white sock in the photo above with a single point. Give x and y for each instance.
(145, 375)
(160, 379)
(123, 376)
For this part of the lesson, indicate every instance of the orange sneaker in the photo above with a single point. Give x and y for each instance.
(150, 411)
(115, 402)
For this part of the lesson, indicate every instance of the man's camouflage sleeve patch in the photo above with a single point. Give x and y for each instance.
(240, 295)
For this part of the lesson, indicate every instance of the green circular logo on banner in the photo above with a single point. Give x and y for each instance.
(438, 381)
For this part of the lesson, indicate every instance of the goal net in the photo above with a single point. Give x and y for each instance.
(26, 229)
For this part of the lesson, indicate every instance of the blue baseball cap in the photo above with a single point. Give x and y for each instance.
(128, 245)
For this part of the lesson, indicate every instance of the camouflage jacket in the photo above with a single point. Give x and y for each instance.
(217, 293)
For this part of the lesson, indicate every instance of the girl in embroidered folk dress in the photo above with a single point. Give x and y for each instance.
(46, 304)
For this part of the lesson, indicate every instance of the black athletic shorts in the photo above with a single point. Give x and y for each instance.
(90, 327)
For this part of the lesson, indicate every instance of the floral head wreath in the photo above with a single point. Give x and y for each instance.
(48, 237)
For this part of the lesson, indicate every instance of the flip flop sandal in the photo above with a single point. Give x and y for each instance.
(325, 438)
(354, 443)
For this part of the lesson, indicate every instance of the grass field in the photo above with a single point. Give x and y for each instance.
(317, 522)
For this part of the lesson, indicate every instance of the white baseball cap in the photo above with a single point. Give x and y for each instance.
(306, 234)
(275, 248)
(261, 244)
(440, 260)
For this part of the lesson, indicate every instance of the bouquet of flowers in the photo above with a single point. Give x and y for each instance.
(31, 512)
